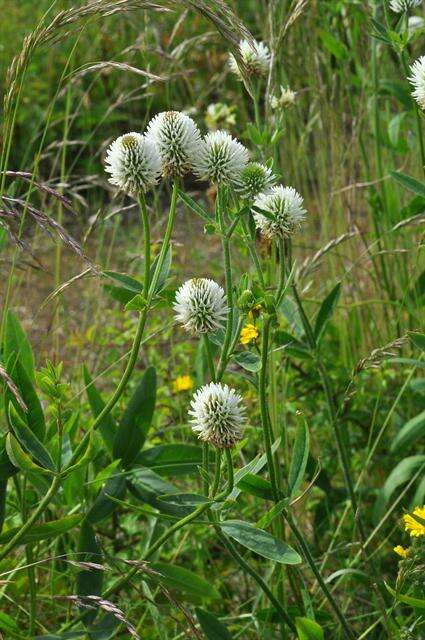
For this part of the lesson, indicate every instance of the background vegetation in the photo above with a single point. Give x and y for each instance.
(351, 145)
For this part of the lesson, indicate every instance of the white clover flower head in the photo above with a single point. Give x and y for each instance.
(285, 205)
(284, 100)
(417, 80)
(218, 415)
(200, 306)
(221, 158)
(399, 6)
(256, 57)
(255, 178)
(177, 137)
(134, 163)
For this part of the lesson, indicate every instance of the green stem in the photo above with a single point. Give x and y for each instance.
(32, 519)
(147, 242)
(308, 556)
(256, 576)
(139, 333)
(229, 292)
(230, 475)
(265, 422)
(210, 359)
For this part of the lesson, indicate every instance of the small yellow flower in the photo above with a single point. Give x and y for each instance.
(415, 528)
(182, 383)
(249, 333)
(401, 551)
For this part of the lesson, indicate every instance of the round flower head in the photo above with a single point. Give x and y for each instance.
(177, 138)
(417, 79)
(256, 57)
(285, 99)
(286, 208)
(221, 158)
(134, 163)
(218, 415)
(398, 6)
(200, 306)
(254, 179)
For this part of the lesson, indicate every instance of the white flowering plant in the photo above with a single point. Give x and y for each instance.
(196, 455)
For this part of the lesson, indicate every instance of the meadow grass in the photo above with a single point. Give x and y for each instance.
(115, 520)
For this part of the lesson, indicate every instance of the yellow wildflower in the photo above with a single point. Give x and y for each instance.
(182, 383)
(249, 333)
(414, 527)
(401, 551)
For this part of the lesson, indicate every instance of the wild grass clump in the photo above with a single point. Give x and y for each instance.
(212, 330)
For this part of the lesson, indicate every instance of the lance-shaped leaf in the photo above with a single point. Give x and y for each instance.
(16, 342)
(136, 421)
(107, 426)
(29, 441)
(260, 542)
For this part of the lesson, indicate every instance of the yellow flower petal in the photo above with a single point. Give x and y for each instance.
(415, 528)
(182, 383)
(249, 333)
(401, 551)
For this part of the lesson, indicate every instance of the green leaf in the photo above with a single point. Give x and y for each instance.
(34, 415)
(409, 183)
(89, 581)
(336, 47)
(254, 466)
(326, 310)
(196, 208)
(211, 626)
(19, 458)
(7, 623)
(260, 542)
(16, 341)
(269, 516)
(418, 603)
(184, 580)
(411, 431)
(308, 629)
(418, 339)
(136, 421)
(171, 459)
(107, 426)
(401, 474)
(248, 360)
(44, 531)
(299, 458)
(103, 506)
(29, 441)
(256, 486)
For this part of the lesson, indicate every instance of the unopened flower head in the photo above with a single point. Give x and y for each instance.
(200, 306)
(284, 100)
(255, 178)
(221, 158)
(415, 527)
(218, 415)
(177, 138)
(220, 116)
(286, 209)
(399, 6)
(417, 80)
(256, 57)
(134, 163)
